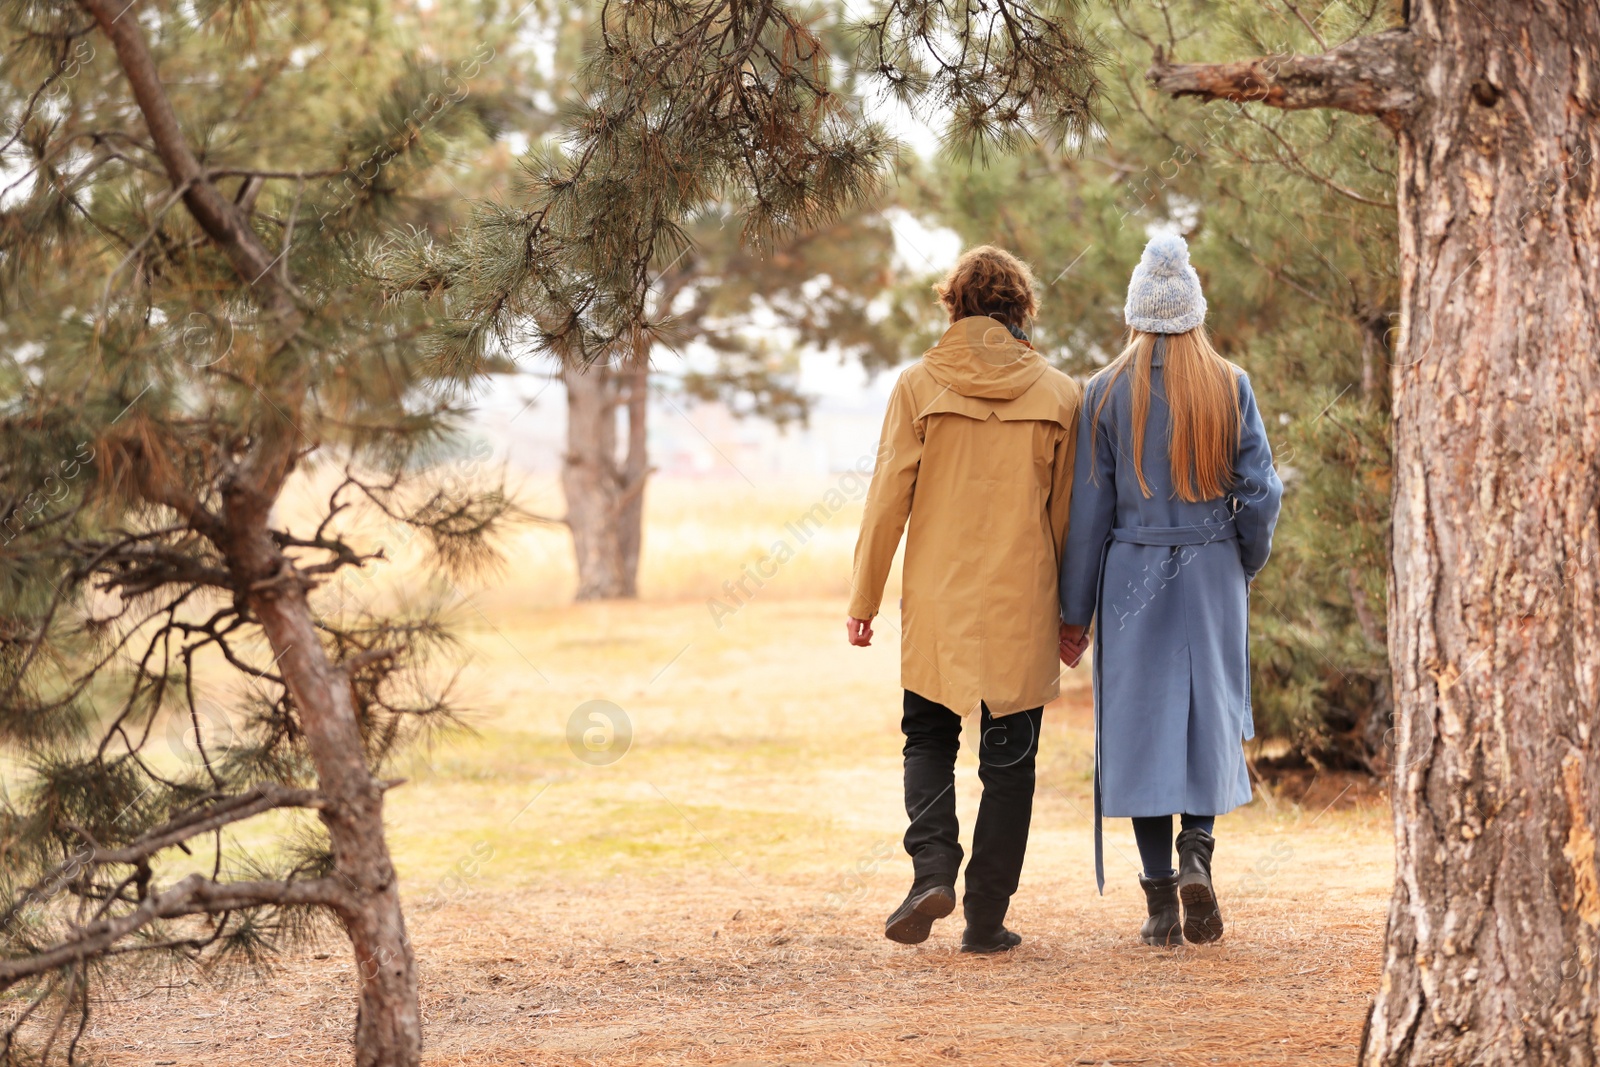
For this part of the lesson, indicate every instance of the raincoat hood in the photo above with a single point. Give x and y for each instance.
(978, 357)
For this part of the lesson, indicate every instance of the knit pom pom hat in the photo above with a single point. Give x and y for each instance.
(1164, 295)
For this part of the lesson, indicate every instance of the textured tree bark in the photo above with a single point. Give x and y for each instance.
(388, 1021)
(1367, 75)
(1492, 952)
(1494, 635)
(605, 489)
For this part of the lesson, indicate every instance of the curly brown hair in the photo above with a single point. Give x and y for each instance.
(989, 281)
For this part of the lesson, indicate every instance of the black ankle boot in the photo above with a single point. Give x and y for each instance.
(1163, 927)
(929, 899)
(986, 931)
(1202, 919)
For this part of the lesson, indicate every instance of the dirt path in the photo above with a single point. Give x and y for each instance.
(717, 896)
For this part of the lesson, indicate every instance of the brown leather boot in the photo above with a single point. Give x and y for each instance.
(1164, 927)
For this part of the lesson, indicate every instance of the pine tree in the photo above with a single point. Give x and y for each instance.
(195, 312)
(1493, 946)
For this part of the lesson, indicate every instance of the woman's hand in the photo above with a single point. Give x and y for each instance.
(859, 631)
(1074, 640)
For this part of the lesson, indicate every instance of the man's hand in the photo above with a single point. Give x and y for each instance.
(1074, 640)
(859, 631)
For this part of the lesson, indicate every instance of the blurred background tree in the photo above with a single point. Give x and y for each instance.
(751, 312)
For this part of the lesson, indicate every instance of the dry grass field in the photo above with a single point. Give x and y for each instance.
(716, 894)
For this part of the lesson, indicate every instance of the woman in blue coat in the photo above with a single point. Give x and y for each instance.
(1173, 506)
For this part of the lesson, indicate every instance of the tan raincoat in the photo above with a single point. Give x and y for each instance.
(977, 452)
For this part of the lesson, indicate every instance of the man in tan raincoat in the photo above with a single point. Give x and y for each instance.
(977, 455)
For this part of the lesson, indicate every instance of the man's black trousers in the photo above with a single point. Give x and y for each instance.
(1006, 752)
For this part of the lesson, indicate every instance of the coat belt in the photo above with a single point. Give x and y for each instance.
(1177, 535)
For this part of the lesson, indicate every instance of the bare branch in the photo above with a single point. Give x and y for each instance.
(194, 895)
(287, 175)
(251, 802)
(362, 660)
(1371, 75)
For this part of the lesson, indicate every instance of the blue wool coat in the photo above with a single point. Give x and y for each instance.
(1167, 584)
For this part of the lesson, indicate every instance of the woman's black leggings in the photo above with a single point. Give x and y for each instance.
(1154, 834)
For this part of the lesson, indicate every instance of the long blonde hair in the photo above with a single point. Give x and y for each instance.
(1203, 398)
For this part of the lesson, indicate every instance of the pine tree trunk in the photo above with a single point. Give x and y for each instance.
(388, 1020)
(1492, 953)
(1494, 626)
(605, 490)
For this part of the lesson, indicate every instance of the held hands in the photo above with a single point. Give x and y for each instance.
(1074, 640)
